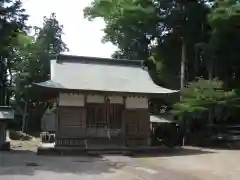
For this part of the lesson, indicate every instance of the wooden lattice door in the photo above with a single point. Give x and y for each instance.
(132, 124)
(137, 127)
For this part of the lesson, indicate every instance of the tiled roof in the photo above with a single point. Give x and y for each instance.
(6, 113)
(101, 74)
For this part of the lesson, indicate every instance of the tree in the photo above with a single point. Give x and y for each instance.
(190, 39)
(224, 42)
(154, 28)
(204, 32)
(33, 66)
(219, 54)
(12, 22)
(201, 104)
(202, 95)
(128, 25)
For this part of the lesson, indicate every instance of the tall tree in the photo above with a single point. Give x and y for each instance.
(156, 28)
(224, 43)
(129, 25)
(12, 21)
(34, 66)
(181, 38)
(220, 55)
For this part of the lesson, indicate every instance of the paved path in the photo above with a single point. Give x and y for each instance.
(28, 166)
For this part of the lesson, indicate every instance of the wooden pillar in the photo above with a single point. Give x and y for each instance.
(57, 123)
(2, 133)
(123, 128)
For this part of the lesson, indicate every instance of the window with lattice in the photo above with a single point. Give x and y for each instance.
(104, 115)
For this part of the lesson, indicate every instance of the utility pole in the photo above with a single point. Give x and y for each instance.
(183, 63)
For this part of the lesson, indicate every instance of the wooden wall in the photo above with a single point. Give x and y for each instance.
(71, 121)
(73, 130)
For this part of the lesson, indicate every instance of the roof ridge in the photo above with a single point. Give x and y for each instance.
(6, 107)
(96, 60)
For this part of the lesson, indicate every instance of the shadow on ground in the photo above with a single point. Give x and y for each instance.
(222, 147)
(171, 152)
(28, 163)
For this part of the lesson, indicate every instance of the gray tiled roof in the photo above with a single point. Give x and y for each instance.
(159, 119)
(96, 74)
(6, 113)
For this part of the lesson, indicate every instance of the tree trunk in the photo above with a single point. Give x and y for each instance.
(210, 70)
(24, 118)
(183, 62)
(210, 120)
(196, 64)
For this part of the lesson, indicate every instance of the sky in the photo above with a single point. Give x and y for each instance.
(83, 37)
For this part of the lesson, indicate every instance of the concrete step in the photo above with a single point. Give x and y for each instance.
(52, 149)
(109, 152)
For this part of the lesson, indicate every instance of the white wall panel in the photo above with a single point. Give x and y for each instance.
(136, 103)
(71, 99)
(52, 70)
(116, 99)
(95, 99)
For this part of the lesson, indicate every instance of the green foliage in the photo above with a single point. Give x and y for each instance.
(223, 10)
(157, 28)
(33, 65)
(224, 42)
(143, 28)
(203, 95)
(12, 22)
(154, 31)
(129, 25)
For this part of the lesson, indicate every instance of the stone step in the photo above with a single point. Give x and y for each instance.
(51, 149)
(109, 152)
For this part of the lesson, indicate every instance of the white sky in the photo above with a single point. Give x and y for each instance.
(82, 37)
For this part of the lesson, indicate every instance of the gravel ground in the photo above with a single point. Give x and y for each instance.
(188, 164)
(28, 166)
(205, 164)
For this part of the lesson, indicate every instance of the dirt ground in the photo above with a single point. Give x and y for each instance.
(186, 164)
(205, 164)
(22, 163)
(31, 145)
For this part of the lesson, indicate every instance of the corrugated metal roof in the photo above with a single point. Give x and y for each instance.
(159, 119)
(102, 75)
(6, 113)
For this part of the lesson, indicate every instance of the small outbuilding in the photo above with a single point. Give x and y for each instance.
(6, 114)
